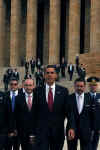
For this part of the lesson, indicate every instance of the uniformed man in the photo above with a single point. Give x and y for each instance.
(95, 97)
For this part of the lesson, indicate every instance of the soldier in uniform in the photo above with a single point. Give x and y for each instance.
(95, 98)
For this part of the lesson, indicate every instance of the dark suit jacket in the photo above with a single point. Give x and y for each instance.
(96, 112)
(24, 116)
(84, 120)
(8, 98)
(70, 71)
(53, 122)
(5, 115)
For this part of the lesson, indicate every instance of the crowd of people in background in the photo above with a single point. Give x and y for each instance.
(36, 69)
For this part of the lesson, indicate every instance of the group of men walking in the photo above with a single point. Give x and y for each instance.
(33, 117)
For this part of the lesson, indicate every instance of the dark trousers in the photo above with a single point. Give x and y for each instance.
(6, 87)
(70, 75)
(72, 145)
(13, 142)
(63, 72)
(94, 141)
(25, 143)
(50, 142)
(3, 141)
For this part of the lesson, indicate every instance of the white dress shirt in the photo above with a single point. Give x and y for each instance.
(47, 91)
(80, 102)
(11, 93)
(27, 95)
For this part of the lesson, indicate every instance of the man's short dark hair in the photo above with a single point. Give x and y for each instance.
(80, 80)
(50, 66)
(13, 79)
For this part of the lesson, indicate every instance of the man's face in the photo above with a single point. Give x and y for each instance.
(93, 88)
(50, 76)
(29, 86)
(14, 85)
(79, 87)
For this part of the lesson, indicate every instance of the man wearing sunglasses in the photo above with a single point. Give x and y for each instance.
(13, 141)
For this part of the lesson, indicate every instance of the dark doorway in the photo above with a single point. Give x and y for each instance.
(40, 30)
(82, 27)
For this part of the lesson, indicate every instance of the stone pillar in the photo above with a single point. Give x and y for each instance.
(46, 34)
(54, 31)
(31, 36)
(74, 30)
(95, 26)
(2, 32)
(15, 32)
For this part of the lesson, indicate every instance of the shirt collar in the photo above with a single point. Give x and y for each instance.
(15, 92)
(93, 93)
(79, 95)
(26, 94)
(52, 86)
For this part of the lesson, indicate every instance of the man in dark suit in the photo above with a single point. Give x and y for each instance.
(52, 110)
(95, 97)
(6, 125)
(82, 112)
(23, 116)
(32, 63)
(70, 71)
(10, 97)
(63, 67)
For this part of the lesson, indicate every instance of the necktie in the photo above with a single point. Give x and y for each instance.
(79, 104)
(13, 101)
(29, 102)
(50, 100)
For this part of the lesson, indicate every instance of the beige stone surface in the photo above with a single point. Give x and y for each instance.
(2, 31)
(54, 31)
(95, 26)
(74, 30)
(31, 35)
(15, 32)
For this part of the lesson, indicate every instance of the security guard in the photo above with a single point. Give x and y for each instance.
(95, 97)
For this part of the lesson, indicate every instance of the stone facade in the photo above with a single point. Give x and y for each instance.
(34, 28)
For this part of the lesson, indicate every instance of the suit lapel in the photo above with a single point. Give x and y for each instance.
(24, 102)
(57, 95)
(75, 103)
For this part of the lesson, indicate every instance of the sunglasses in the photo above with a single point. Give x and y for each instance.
(14, 84)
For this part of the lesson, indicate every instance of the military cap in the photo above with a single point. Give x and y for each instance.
(93, 80)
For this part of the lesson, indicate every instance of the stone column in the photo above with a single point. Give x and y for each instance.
(46, 34)
(31, 36)
(54, 31)
(2, 32)
(95, 26)
(15, 32)
(74, 30)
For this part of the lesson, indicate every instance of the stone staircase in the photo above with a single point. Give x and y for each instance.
(63, 81)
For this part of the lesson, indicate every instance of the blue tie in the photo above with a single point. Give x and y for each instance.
(13, 101)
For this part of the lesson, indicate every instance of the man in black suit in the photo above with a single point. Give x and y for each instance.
(6, 125)
(23, 116)
(70, 71)
(52, 110)
(95, 97)
(13, 141)
(82, 112)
